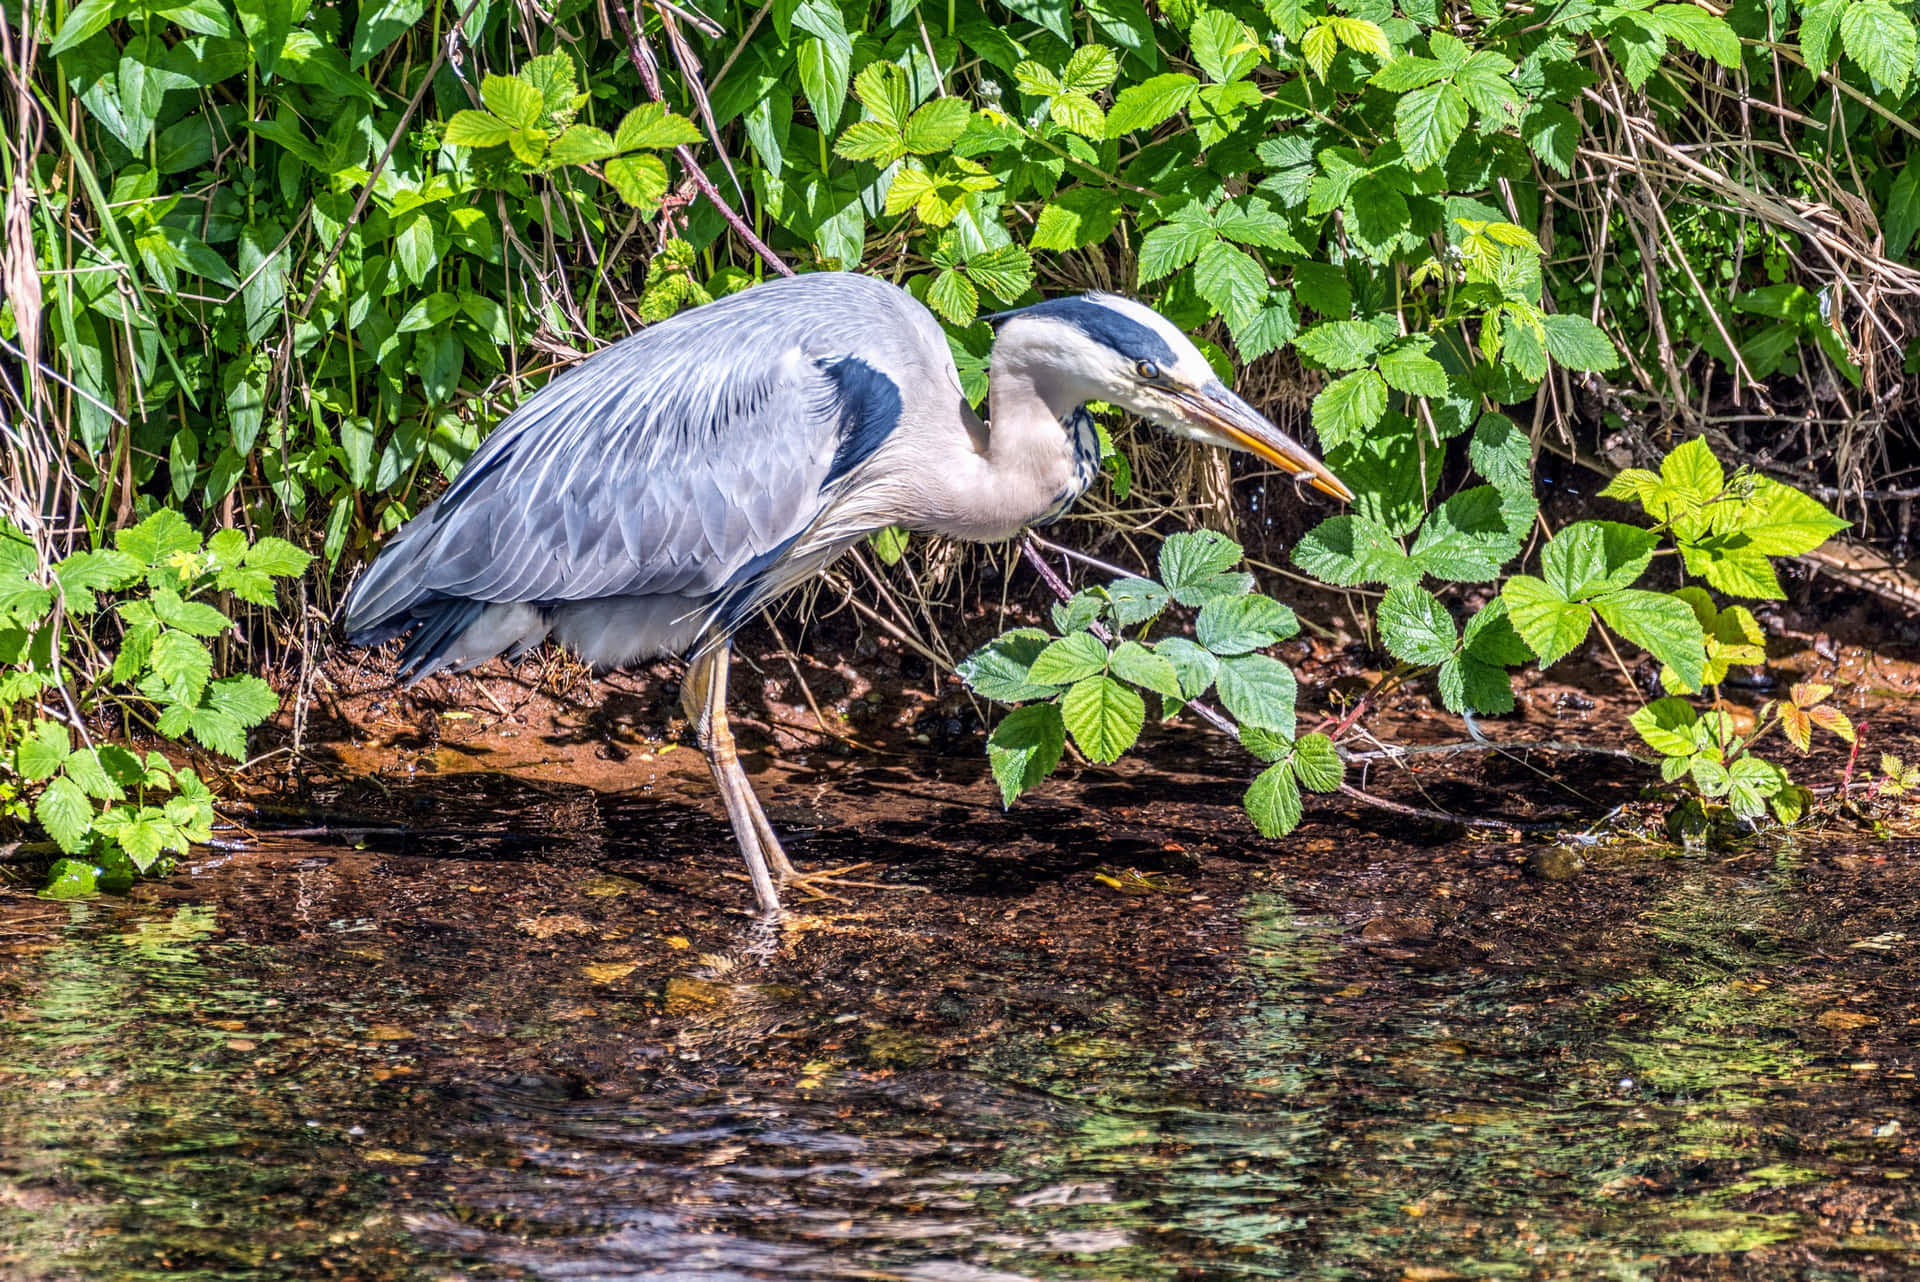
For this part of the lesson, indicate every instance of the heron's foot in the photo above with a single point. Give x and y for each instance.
(813, 885)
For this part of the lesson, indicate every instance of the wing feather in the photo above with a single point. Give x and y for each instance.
(671, 462)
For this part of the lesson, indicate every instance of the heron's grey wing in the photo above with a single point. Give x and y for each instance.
(676, 462)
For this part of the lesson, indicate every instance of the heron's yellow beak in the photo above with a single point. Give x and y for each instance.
(1233, 424)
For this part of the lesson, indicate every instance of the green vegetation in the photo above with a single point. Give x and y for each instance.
(290, 261)
(120, 810)
(1726, 529)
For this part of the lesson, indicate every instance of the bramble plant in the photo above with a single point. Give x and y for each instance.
(117, 809)
(1087, 683)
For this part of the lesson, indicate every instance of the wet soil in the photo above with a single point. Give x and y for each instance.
(506, 1017)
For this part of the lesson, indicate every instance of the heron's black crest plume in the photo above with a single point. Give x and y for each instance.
(1104, 325)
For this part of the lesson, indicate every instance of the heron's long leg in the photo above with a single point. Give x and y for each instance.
(704, 695)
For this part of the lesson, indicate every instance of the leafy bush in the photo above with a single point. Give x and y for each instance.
(1087, 682)
(105, 801)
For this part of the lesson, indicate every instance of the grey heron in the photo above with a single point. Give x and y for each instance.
(651, 500)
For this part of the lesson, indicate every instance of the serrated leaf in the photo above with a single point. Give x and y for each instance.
(1698, 30)
(1547, 622)
(1469, 537)
(64, 810)
(1079, 114)
(248, 700)
(1577, 343)
(1189, 558)
(580, 145)
(1428, 121)
(1417, 627)
(1258, 691)
(1150, 103)
(1238, 624)
(513, 101)
(1340, 344)
(1469, 684)
(219, 732)
(1779, 520)
(1408, 368)
(1668, 727)
(1104, 717)
(1831, 718)
(1881, 39)
(1349, 406)
(1025, 747)
(1077, 218)
(1135, 663)
(936, 126)
(1174, 244)
(182, 664)
(1273, 801)
(1230, 279)
(1135, 600)
(1317, 763)
(1194, 664)
(1661, 625)
(1006, 270)
(197, 617)
(651, 126)
(1591, 557)
(41, 753)
(1348, 551)
(1069, 659)
(641, 180)
(954, 297)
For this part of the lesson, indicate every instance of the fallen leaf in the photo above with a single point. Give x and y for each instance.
(390, 1033)
(547, 925)
(394, 1158)
(679, 942)
(609, 972)
(1837, 1018)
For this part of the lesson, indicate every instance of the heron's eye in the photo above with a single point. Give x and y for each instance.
(1147, 370)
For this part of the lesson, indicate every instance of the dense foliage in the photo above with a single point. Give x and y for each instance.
(279, 265)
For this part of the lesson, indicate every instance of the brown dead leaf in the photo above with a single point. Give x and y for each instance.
(1839, 1019)
(547, 925)
(608, 972)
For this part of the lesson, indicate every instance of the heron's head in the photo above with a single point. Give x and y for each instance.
(1125, 353)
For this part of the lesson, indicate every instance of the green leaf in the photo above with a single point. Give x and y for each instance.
(1901, 218)
(1077, 218)
(954, 297)
(1222, 46)
(71, 879)
(84, 21)
(1025, 747)
(1175, 243)
(476, 129)
(83, 573)
(1471, 536)
(1104, 717)
(937, 125)
(219, 732)
(1090, 69)
(1502, 453)
(1001, 668)
(1071, 658)
(1006, 271)
(1591, 557)
(1079, 114)
(580, 145)
(1417, 627)
(381, 22)
(1408, 72)
(1548, 623)
(87, 769)
(1348, 551)
(196, 617)
(1427, 121)
(1230, 279)
(653, 127)
(1779, 520)
(870, 140)
(183, 666)
(41, 754)
(1317, 763)
(1668, 727)
(1150, 103)
(1469, 684)
(1819, 21)
(823, 69)
(887, 93)
(1408, 368)
(159, 539)
(1349, 406)
(1733, 565)
(1881, 39)
(514, 101)
(1340, 344)
(1190, 558)
(1273, 801)
(1577, 343)
(641, 180)
(1698, 30)
(65, 812)
(1194, 664)
(277, 557)
(1662, 625)
(248, 700)
(1135, 663)
(1258, 691)
(1136, 600)
(1238, 624)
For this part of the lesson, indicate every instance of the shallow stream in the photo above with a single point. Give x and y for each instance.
(1114, 1037)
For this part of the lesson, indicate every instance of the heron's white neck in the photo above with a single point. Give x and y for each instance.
(1023, 464)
